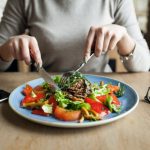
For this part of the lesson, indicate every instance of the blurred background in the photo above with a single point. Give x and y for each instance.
(142, 8)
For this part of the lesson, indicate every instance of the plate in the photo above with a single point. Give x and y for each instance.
(129, 102)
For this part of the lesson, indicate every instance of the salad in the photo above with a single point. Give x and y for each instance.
(77, 100)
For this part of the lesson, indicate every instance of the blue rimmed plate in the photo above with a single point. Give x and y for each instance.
(129, 102)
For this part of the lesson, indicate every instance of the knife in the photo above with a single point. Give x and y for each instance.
(83, 64)
(47, 77)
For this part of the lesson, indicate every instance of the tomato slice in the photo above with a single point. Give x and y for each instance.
(113, 88)
(67, 115)
(115, 100)
(40, 96)
(27, 90)
(53, 101)
(28, 99)
(97, 106)
(38, 89)
(101, 98)
(39, 112)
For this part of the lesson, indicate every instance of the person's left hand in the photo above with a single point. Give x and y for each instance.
(107, 38)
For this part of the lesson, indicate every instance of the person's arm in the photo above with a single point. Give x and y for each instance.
(125, 34)
(106, 38)
(12, 23)
(13, 44)
(125, 16)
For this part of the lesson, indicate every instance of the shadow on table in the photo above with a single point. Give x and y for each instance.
(18, 122)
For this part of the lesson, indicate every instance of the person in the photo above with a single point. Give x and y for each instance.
(61, 33)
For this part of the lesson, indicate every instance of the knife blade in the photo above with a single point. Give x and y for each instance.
(83, 64)
(47, 77)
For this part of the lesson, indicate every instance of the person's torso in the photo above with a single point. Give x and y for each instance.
(61, 27)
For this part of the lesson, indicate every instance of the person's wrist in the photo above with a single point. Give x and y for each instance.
(6, 59)
(127, 57)
(126, 45)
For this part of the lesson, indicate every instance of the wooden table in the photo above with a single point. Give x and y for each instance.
(129, 133)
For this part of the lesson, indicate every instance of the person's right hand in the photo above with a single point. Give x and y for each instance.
(21, 47)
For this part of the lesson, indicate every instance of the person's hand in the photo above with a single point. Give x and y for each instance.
(102, 39)
(21, 47)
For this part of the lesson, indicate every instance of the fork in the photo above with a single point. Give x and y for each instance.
(69, 73)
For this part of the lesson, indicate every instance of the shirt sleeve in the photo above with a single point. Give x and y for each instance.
(12, 23)
(125, 16)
